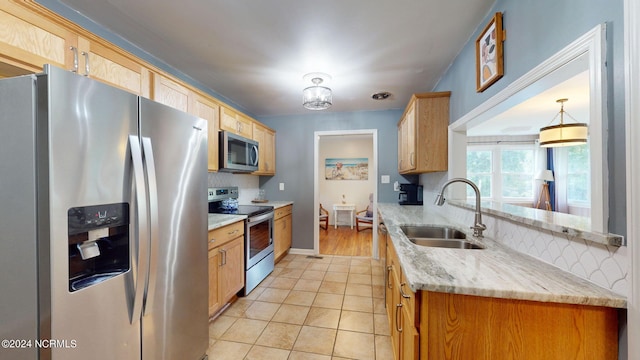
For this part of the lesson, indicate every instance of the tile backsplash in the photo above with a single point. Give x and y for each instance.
(247, 184)
(607, 266)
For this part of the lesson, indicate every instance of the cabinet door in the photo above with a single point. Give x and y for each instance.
(169, 92)
(215, 302)
(407, 141)
(396, 314)
(107, 65)
(210, 111)
(28, 41)
(282, 236)
(232, 269)
(231, 120)
(409, 337)
(266, 142)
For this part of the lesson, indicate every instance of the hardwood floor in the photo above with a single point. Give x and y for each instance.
(345, 241)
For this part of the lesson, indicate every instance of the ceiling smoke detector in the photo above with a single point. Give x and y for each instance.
(381, 95)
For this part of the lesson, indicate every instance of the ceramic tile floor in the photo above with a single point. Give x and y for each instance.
(312, 309)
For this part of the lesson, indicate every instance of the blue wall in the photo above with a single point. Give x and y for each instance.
(294, 160)
(535, 31)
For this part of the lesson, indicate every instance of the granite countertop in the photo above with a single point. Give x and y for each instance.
(275, 204)
(496, 271)
(220, 220)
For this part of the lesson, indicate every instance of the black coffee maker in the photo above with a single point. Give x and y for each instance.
(410, 194)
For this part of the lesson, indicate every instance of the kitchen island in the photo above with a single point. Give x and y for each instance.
(489, 303)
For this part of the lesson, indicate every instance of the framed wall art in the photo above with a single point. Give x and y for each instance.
(489, 54)
(346, 169)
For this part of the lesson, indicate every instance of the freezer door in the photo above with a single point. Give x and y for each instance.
(175, 317)
(84, 129)
(18, 254)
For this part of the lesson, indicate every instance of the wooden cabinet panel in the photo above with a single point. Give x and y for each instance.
(423, 134)
(169, 92)
(103, 63)
(490, 328)
(225, 234)
(226, 264)
(28, 41)
(267, 151)
(282, 236)
(231, 120)
(215, 301)
(210, 111)
(232, 268)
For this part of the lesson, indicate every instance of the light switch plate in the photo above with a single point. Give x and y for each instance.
(384, 179)
(281, 186)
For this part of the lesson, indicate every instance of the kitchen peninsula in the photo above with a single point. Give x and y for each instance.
(484, 303)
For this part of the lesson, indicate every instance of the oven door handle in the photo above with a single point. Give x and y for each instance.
(261, 217)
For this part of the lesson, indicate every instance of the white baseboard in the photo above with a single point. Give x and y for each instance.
(296, 251)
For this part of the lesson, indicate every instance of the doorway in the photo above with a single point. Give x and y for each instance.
(357, 153)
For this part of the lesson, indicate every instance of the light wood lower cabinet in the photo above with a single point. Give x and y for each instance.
(226, 264)
(282, 231)
(435, 325)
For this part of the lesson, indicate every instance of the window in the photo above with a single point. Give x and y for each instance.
(480, 171)
(503, 173)
(517, 173)
(578, 174)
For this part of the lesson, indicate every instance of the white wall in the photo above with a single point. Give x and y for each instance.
(356, 191)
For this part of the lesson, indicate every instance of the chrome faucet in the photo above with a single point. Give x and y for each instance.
(478, 227)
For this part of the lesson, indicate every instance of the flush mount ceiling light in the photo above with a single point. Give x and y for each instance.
(563, 134)
(316, 97)
(381, 95)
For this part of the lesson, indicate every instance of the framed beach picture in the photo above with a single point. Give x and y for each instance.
(346, 169)
(489, 54)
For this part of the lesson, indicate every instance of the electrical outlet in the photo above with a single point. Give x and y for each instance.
(281, 186)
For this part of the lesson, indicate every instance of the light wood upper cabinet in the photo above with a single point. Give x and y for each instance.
(210, 111)
(422, 134)
(169, 92)
(266, 139)
(231, 120)
(100, 62)
(28, 41)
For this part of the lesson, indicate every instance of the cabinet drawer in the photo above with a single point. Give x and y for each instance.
(225, 234)
(283, 211)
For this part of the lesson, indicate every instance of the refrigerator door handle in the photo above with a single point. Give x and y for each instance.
(142, 241)
(150, 167)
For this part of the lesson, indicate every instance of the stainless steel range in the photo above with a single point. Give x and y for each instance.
(258, 233)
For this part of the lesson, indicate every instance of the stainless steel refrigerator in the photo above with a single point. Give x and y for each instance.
(103, 223)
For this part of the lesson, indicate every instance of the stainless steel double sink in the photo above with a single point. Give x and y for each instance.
(438, 236)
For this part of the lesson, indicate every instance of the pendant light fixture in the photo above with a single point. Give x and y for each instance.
(563, 134)
(316, 97)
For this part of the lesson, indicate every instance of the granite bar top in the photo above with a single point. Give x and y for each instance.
(496, 271)
(571, 225)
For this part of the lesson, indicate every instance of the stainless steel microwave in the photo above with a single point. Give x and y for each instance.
(237, 153)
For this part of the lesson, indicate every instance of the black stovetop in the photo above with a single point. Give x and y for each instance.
(249, 210)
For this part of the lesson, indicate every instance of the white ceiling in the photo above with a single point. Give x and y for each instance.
(527, 117)
(255, 53)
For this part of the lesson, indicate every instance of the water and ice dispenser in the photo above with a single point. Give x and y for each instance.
(98, 243)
